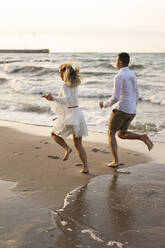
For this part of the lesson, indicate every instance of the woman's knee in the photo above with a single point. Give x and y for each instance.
(52, 134)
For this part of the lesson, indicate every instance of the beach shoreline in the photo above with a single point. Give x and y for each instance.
(35, 163)
(42, 182)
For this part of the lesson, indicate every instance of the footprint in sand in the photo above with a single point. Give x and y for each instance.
(37, 147)
(103, 151)
(53, 157)
(16, 153)
(95, 150)
(136, 154)
(98, 150)
(44, 142)
(78, 164)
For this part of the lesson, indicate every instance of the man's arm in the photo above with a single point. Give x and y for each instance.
(117, 88)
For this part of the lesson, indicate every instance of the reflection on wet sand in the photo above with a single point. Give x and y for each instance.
(120, 213)
(119, 210)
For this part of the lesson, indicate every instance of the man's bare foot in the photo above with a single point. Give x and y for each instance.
(147, 141)
(66, 156)
(112, 164)
(84, 170)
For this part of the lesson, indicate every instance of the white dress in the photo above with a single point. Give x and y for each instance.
(69, 120)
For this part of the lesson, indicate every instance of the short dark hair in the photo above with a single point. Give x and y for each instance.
(124, 58)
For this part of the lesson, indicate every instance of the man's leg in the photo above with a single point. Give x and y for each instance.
(114, 124)
(134, 136)
(113, 146)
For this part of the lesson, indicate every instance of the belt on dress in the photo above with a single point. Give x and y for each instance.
(73, 107)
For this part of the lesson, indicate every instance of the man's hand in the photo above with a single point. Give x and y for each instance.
(49, 97)
(101, 104)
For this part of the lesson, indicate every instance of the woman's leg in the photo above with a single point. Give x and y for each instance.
(82, 153)
(63, 144)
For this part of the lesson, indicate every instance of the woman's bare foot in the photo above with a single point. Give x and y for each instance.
(147, 141)
(112, 164)
(84, 170)
(66, 156)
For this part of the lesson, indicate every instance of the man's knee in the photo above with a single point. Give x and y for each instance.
(111, 132)
(121, 134)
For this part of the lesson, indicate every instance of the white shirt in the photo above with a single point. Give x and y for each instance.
(125, 91)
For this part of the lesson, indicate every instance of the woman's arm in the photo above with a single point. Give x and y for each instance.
(61, 100)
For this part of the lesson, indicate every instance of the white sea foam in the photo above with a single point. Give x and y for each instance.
(112, 243)
(158, 98)
(93, 236)
(64, 223)
(68, 196)
(69, 229)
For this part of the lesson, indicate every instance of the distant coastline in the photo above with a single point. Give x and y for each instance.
(24, 50)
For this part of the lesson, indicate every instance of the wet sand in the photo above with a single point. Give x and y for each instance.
(119, 210)
(43, 181)
(22, 223)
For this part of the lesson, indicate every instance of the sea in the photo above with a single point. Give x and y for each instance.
(24, 78)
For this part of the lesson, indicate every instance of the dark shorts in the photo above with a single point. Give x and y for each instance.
(120, 120)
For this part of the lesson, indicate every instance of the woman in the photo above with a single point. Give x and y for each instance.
(70, 119)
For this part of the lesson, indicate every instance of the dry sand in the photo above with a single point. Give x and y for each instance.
(24, 159)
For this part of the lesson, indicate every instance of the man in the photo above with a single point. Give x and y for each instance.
(125, 92)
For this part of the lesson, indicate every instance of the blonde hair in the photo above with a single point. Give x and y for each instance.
(71, 76)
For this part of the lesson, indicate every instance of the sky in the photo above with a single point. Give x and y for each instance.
(83, 25)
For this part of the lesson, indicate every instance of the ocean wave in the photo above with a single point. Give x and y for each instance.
(23, 107)
(104, 60)
(3, 80)
(10, 61)
(92, 82)
(97, 73)
(38, 70)
(106, 65)
(42, 60)
(134, 67)
(94, 93)
(34, 108)
(24, 87)
(154, 99)
(146, 127)
(158, 99)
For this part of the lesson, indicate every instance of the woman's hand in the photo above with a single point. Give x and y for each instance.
(49, 97)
